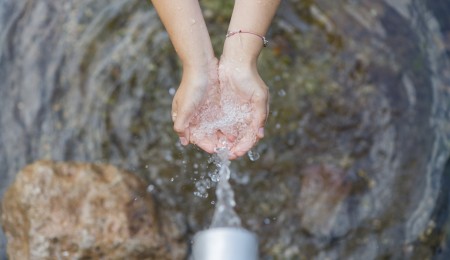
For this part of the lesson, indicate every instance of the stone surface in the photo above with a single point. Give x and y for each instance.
(323, 191)
(74, 211)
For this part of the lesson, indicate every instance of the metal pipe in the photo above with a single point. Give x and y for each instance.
(225, 244)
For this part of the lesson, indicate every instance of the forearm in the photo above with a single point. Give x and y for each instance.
(187, 30)
(253, 16)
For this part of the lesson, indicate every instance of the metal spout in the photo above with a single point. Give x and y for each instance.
(225, 244)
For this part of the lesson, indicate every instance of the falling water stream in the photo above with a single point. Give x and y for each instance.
(355, 159)
(224, 214)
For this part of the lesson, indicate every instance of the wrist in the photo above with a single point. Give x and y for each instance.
(236, 71)
(235, 62)
(204, 72)
(242, 49)
(199, 63)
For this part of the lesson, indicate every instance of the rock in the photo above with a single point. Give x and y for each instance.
(324, 189)
(74, 210)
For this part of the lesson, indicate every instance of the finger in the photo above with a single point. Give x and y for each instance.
(207, 145)
(244, 145)
(224, 139)
(174, 111)
(174, 116)
(255, 133)
(260, 118)
(232, 156)
(187, 137)
(260, 133)
(231, 138)
(181, 127)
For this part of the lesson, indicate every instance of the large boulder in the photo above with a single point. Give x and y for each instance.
(74, 210)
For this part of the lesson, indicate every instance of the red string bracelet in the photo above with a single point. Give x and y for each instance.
(265, 42)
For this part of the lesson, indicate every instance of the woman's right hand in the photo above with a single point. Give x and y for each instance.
(242, 83)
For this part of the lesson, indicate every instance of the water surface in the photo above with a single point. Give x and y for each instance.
(352, 165)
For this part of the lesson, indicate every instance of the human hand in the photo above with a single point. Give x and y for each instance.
(246, 97)
(228, 114)
(233, 113)
(197, 90)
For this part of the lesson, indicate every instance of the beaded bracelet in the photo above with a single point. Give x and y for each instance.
(265, 42)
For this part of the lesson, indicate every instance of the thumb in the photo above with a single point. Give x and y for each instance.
(180, 124)
(261, 113)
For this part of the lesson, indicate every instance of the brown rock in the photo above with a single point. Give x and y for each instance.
(74, 210)
(323, 190)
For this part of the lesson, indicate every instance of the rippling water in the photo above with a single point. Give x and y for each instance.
(358, 138)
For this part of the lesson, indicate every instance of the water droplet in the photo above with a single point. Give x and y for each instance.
(253, 155)
(172, 91)
(241, 178)
(168, 157)
(202, 187)
(245, 108)
(172, 179)
(201, 195)
(278, 126)
(267, 221)
(213, 202)
(150, 188)
(214, 177)
(281, 93)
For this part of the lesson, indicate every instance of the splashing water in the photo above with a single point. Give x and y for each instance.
(225, 113)
(253, 155)
(224, 215)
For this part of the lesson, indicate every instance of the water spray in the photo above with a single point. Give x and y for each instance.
(226, 239)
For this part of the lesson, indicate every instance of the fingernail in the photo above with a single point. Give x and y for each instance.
(183, 141)
(261, 132)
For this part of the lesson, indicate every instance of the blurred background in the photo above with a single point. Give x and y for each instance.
(355, 162)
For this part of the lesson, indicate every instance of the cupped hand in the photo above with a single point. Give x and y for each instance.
(198, 88)
(244, 96)
(225, 107)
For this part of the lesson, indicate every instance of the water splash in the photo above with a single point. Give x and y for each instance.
(224, 215)
(253, 155)
(202, 186)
